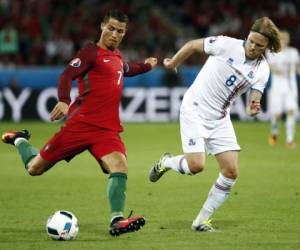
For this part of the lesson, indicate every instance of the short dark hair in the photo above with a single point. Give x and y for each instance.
(116, 14)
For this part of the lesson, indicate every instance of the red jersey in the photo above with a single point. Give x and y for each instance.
(99, 73)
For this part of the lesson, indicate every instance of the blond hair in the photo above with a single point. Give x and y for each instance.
(267, 28)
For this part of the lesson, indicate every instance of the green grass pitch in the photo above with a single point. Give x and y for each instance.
(263, 211)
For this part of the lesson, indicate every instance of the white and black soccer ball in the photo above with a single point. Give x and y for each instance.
(62, 225)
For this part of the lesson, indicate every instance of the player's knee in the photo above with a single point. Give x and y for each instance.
(34, 171)
(122, 169)
(195, 166)
(120, 166)
(231, 173)
(290, 113)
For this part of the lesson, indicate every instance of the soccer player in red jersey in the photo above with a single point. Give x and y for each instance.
(92, 120)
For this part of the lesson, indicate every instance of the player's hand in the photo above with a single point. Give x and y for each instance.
(254, 108)
(152, 61)
(168, 63)
(59, 111)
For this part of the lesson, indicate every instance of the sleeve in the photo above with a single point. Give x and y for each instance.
(136, 68)
(262, 81)
(215, 45)
(81, 63)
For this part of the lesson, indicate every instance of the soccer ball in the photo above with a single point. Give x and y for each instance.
(62, 225)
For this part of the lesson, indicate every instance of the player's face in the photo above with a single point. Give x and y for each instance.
(112, 34)
(256, 45)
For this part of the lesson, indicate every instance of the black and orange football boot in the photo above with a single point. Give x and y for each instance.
(122, 225)
(9, 137)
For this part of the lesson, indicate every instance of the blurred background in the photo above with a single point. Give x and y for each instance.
(39, 37)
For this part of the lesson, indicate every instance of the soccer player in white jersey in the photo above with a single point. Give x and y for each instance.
(233, 67)
(283, 91)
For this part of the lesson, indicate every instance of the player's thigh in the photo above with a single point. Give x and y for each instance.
(109, 150)
(276, 103)
(192, 133)
(115, 162)
(65, 144)
(222, 138)
(192, 139)
(228, 162)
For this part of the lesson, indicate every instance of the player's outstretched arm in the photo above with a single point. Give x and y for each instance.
(136, 68)
(59, 111)
(152, 61)
(254, 106)
(191, 47)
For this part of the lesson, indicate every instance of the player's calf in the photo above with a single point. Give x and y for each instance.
(37, 166)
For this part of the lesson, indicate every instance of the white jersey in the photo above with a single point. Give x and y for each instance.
(225, 75)
(286, 61)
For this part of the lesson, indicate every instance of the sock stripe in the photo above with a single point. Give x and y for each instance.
(222, 188)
